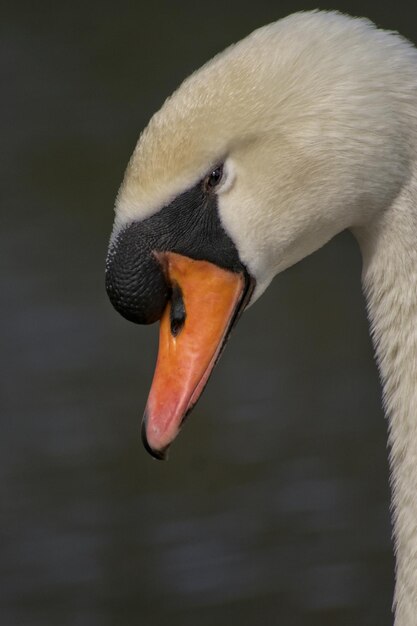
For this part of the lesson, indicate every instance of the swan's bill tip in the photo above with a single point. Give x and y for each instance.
(159, 455)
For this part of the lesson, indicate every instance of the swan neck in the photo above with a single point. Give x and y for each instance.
(389, 249)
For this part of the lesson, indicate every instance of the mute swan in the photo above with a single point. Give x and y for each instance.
(306, 127)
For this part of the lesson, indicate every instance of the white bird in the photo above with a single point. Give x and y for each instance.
(303, 129)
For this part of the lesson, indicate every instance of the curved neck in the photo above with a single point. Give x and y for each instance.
(389, 249)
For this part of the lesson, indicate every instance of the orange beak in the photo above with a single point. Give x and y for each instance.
(206, 301)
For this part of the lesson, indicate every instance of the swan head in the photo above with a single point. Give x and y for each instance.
(259, 158)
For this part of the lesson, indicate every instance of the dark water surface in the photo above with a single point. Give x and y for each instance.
(274, 505)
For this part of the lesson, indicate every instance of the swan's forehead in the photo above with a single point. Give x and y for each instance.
(300, 84)
(214, 111)
(172, 155)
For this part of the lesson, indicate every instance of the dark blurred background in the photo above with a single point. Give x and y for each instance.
(274, 505)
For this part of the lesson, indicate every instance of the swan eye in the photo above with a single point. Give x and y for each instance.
(213, 179)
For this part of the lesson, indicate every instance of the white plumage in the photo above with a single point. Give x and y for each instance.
(315, 117)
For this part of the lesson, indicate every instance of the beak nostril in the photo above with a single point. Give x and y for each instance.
(177, 312)
(176, 327)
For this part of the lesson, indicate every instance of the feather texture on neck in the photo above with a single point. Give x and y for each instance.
(389, 248)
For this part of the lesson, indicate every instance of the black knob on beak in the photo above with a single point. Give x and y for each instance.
(135, 281)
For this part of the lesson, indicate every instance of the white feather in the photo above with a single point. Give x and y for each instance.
(316, 119)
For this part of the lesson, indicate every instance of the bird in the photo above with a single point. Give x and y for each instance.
(305, 128)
